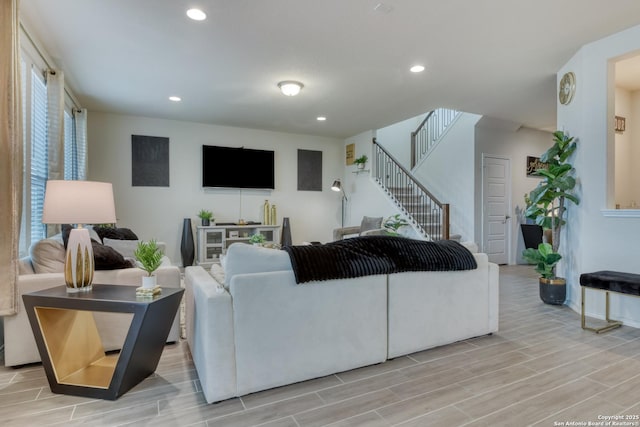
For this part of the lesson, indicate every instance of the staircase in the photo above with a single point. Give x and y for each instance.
(429, 132)
(426, 214)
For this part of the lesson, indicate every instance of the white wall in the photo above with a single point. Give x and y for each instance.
(595, 239)
(365, 197)
(514, 143)
(396, 139)
(448, 173)
(158, 212)
(624, 185)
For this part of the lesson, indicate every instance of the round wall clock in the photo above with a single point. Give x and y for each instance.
(567, 88)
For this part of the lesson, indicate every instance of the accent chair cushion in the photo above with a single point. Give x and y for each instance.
(370, 223)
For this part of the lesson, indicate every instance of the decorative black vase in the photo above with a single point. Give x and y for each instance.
(286, 232)
(187, 248)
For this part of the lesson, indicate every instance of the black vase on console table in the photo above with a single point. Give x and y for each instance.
(286, 232)
(187, 248)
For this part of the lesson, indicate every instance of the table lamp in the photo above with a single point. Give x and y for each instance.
(78, 202)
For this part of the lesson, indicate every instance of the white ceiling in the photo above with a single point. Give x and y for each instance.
(497, 58)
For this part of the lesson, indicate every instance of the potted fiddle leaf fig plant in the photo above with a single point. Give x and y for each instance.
(546, 205)
(149, 258)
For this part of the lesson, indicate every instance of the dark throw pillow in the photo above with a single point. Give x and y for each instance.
(115, 233)
(107, 258)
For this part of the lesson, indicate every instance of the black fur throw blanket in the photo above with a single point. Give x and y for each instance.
(370, 255)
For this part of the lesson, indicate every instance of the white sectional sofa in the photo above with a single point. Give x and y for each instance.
(252, 327)
(44, 270)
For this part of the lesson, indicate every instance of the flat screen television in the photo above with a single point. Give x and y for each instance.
(229, 167)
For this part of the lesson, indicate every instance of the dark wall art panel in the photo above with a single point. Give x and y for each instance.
(149, 161)
(309, 170)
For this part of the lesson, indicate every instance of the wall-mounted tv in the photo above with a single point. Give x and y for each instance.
(229, 167)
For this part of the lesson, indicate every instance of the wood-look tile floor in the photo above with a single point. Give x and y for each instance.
(541, 369)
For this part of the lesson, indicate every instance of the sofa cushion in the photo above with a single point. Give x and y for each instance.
(115, 233)
(107, 258)
(126, 248)
(370, 223)
(47, 256)
(242, 258)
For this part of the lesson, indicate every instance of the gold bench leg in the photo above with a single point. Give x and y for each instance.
(611, 324)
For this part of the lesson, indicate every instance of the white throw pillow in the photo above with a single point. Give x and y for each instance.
(217, 272)
(126, 248)
(47, 256)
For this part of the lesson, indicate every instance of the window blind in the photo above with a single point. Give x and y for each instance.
(39, 156)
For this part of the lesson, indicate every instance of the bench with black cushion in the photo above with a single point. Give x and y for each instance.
(608, 281)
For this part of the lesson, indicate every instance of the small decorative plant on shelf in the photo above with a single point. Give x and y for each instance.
(394, 223)
(257, 239)
(206, 217)
(361, 161)
(546, 206)
(149, 258)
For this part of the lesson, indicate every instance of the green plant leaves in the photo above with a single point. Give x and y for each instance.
(148, 255)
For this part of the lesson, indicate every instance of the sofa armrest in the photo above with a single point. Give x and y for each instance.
(210, 333)
(339, 233)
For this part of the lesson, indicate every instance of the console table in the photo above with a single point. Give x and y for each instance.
(214, 240)
(72, 354)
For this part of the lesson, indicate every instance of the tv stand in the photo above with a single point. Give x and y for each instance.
(213, 240)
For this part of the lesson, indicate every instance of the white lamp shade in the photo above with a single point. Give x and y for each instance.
(78, 202)
(336, 186)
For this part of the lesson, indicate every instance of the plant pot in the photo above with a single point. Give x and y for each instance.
(553, 291)
(360, 166)
(205, 222)
(149, 282)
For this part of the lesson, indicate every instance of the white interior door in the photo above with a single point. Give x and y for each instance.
(496, 208)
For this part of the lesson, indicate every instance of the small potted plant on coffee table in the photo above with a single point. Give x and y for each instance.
(149, 258)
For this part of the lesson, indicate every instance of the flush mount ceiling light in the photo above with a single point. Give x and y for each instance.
(417, 69)
(290, 87)
(196, 14)
(175, 98)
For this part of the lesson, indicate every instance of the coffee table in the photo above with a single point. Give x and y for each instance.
(70, 346)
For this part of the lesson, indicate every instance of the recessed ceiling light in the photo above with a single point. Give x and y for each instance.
(290, 87)
(175, 98)
(196, 14)
(417, 69)
(321, 118)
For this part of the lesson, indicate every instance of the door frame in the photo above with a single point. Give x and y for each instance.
(508, 234)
